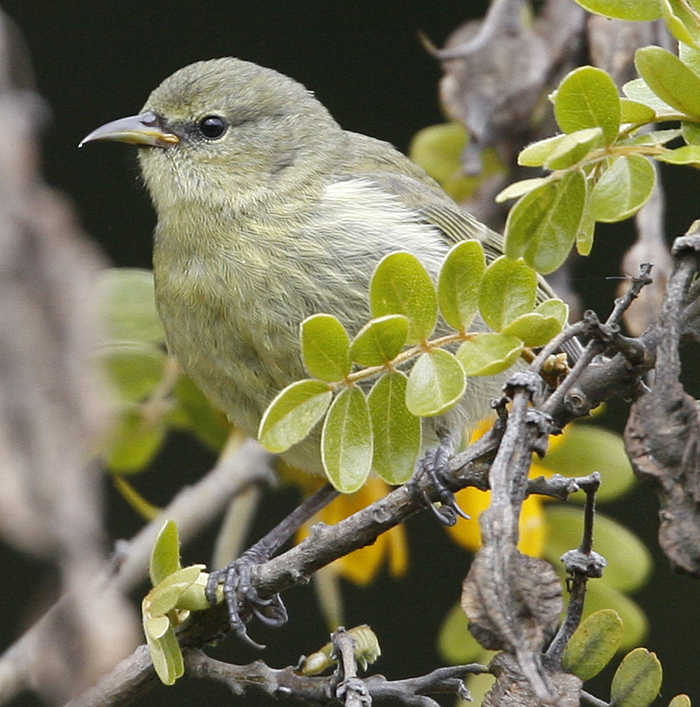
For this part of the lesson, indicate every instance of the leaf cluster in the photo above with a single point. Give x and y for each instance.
(413, 371)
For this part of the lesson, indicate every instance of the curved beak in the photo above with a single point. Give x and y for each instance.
(143, 129)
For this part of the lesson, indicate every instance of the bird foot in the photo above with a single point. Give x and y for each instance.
(242, 597)
(434, 466)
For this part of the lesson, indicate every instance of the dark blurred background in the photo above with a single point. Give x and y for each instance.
(96, 61)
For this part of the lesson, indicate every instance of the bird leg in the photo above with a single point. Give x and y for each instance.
(434, 465)
(239, 591)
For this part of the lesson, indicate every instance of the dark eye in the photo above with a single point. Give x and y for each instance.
(212, 127)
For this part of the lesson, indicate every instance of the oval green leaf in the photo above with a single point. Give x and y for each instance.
(164, 596)
(165, 651)
(134, 368)
(554, 308)
(587, 98)
(293, 414)
(133, 442)
(681, 22)
(533, 329)
(680, 701)
(401, 285)
(165, 556)
(670, 79)
(537, 153)
(517, 189)
(436, 384)
(488, 354)
(509, 289)
(574, 147)
(637, 90)
(635, 112)
(622, 189)
(543, 225)
(637, 681)
(195, 413)
(380, 340)
(460, 283)
(593, 644)
(641, 10)
(688, 154)
(691, 133)
(395, 431)
(346, 441)
(127, 304)
(325, 347)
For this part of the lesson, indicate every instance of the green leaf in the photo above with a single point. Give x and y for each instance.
(682, 23)
(509, 289)
(460, 283)
(642, 10)
(438, 149)
(688, 154)
(517, 189)
(401, 285)
(436, 384)
(586, 231)
(165, 650)
(293, 414)
(127, 304)
(534, 329)
(325, 347)
(637, 90)
(637, 681)
(635, 112)
(133, 442)
(574, 147)
(587, 98)
(691, 133)
(690, 56)
(395, 431)
(165, 556)
(680, 701)
(380, 340)
(635, 626)
(135, 369)
(537, 153)
(194, 598)
(488, 354)
(455, 642)
(593, 644)
(629, 562)
(164, 596)
(543, 225)
(622, 189)
(653, 137)
(346, 441)
(195, 413)
(554, 308)
(670, 79)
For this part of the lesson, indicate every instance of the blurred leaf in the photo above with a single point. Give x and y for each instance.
(680, 701)
(517, 189)
(637, 681)
(346, 441)
(509, 289)
(624, 9)
(163, 597)
(127, 304)
(593, 644)
(401, 285)
(670, 79)
(455, 643)
(587, 98)
(488, 354)
(133, 442)
(637, 90)
(634, 623)
(688, 154)
(436, 384)
(622, 189)
(198, 415)
(629, 562)
(574, 147)
(396, 432)
(325, 347)
(134, 368)
(380, 340)
(542, 226)
(635, 112)
(293, 414)
(586, 448)
(460, 283)
(691, 133)
(682, 23)
(165, 556)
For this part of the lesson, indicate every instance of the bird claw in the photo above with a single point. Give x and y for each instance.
(434, 465)
(242, 597)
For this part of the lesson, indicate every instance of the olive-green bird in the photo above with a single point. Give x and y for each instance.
(269, 212)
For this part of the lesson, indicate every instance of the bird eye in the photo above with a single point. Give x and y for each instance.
(212, 127)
